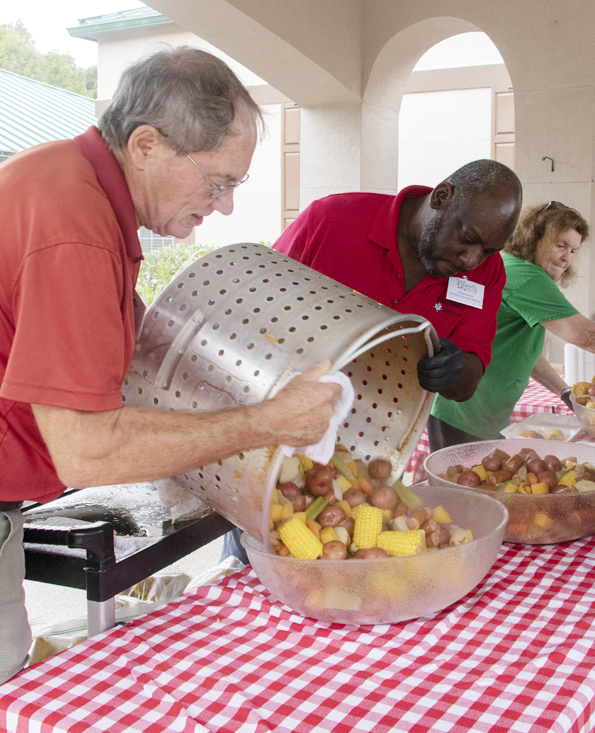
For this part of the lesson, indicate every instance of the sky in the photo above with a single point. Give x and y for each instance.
(48, 20)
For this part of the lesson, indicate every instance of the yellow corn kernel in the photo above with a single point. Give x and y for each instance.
(542, 520)
(305, 463)
(345, 506)
(299, 540)
(344, 484)
(511, 488)
(368, 525)
(356, 509)
(480, 471)
(540, 488)
(411, 542)
(569, 479)
(440, 515)
(328, 534)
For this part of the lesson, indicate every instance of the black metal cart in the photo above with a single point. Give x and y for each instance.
(84, 557)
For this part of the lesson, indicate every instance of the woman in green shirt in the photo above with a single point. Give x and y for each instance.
(537, 259)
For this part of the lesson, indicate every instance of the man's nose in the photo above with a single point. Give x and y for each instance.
(472, 256)
(224, 202)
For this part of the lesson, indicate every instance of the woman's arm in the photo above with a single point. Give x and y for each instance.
(544, 373)
(575, 329)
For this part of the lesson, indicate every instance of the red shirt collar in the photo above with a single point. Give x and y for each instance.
(385, 227)
(111, 179)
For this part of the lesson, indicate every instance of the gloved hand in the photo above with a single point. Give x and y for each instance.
(441, 372)
(565, 397)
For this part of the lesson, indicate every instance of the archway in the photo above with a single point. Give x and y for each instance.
(383, 167)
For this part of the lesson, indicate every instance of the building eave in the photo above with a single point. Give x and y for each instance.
(91, 31)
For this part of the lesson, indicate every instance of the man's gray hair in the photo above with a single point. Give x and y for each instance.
(479, 176)
(190, 96)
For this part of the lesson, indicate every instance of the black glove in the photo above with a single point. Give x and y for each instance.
(565, 397)
(443, 371)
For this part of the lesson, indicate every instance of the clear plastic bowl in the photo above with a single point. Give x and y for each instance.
(586, 416)
(394, 589)
(535, 519)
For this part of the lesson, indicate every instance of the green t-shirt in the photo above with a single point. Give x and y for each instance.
(529, 298)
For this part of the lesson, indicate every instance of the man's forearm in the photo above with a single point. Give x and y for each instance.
(465, 387)
(136, 444)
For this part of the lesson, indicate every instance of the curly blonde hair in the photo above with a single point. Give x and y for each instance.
(538, 228)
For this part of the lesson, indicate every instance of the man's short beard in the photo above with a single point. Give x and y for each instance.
(426, 245)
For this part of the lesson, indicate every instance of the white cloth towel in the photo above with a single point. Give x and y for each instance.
(323, 451)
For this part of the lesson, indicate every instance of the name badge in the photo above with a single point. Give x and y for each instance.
(465, 291)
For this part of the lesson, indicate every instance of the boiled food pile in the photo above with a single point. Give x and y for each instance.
(348, 509)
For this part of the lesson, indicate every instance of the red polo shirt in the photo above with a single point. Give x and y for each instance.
(69, 259)
(352, 238)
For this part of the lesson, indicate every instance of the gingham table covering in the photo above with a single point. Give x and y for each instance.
(516, 654)
(535, 399)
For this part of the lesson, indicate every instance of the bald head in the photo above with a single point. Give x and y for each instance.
(467, 217)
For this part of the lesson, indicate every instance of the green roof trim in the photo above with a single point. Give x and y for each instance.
(127, 20)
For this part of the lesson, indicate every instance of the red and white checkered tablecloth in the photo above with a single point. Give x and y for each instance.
(535, 399)
(516, 654)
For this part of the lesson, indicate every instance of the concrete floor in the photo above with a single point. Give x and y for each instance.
(48, 604)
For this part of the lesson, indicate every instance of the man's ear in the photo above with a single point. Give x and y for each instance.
(441, 196)
(144, 142)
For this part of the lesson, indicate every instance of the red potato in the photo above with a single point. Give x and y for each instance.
(319, 480)
(349, 524)
(289, 490)
(379, 469)
(384, 497)
(331, 516)
(354, 497)
(373, 553)
(552, 463)
(492, 462)
(536, 465)
(469, 478)
(334, 550)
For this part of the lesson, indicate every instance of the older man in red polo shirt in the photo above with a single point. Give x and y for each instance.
(171, 148)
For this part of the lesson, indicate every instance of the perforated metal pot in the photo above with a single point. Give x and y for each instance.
(234, 324)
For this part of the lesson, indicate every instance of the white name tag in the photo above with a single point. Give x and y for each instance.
(465, 291)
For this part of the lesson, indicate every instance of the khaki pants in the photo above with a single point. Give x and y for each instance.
(15, 632)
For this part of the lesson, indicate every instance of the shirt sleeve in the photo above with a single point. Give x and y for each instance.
(295, 242)
(68, 346)
(538, 299)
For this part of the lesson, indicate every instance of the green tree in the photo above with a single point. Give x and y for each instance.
(19, 55)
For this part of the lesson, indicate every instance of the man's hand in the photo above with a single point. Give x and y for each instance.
(303, 408)
(441, 372)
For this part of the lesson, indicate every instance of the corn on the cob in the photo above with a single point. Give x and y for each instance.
(368, 525)
(299, 540)
(402, 543)
(305, 463)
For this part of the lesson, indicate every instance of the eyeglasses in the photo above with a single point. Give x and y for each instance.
(218, 190)
(558, 205)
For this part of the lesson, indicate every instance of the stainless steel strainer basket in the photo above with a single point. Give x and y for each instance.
(234, 324)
